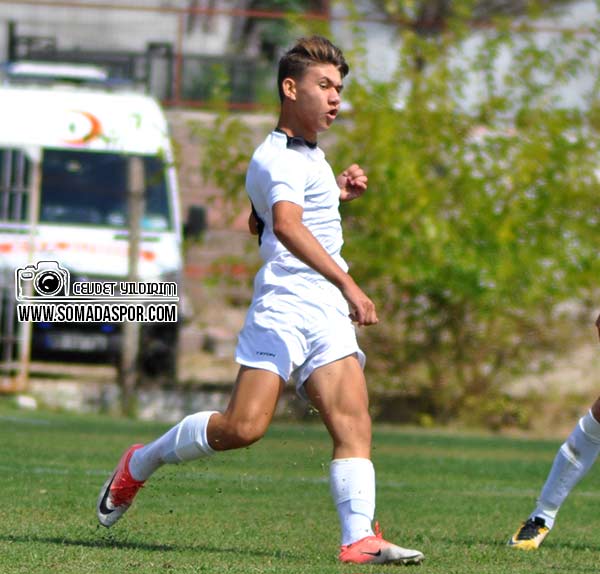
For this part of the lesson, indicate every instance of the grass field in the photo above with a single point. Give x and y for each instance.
(267, 509)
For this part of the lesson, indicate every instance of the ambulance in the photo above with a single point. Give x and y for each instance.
(66, 135)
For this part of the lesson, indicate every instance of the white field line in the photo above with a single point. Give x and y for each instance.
(25, 421)
(490, 491)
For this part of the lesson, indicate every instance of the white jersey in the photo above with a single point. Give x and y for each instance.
(288, 169)
(297, 321)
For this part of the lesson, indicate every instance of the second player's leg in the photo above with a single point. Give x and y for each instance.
(596, 406)
(572, 462)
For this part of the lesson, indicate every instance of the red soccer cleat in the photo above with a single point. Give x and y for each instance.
(118, 492)
(376, 550)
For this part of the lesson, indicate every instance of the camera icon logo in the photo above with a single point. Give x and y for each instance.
(48, 279)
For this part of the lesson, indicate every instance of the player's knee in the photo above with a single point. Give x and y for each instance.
(352, 431)
(246, 433)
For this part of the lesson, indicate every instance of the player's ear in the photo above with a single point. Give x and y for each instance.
(289, 88)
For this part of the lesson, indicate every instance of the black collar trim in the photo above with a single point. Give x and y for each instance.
(291, 140)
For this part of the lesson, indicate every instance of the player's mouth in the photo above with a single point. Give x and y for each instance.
(332, 114)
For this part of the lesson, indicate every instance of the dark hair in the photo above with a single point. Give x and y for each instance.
(307, 52)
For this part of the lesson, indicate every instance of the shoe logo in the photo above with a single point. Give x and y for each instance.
(378, 553)
(103, 506)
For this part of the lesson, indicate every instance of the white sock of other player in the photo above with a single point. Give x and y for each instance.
(572, 462)
(185, 441)
(352, 482)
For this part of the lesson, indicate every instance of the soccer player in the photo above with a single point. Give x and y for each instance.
(572, 462)
(300, 323)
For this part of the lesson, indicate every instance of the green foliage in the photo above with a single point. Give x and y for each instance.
(480, 220)
(226, 142)
(212, 84)
(482, 214)
(275, 34)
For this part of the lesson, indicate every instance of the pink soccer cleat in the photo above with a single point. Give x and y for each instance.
(118, 492)
(376, 550)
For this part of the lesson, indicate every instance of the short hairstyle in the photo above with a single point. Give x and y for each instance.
(308, 52)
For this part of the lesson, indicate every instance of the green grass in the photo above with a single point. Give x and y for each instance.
(267, 509)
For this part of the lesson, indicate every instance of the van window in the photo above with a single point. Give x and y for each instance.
(83, 187)
(15, 181)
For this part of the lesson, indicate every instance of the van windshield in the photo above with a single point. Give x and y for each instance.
(83, 187)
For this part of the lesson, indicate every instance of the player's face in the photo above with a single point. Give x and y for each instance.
(318, 97)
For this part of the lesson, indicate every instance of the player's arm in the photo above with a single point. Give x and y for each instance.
(352, 182)
(297, 238)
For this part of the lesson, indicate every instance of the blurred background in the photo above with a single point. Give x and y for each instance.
(477, 122)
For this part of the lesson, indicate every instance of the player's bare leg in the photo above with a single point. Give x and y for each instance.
(338, 390)
(250, 410)
(245, 421)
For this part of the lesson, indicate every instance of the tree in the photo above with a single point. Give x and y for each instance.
(481, 221)
(274, 34)
(431, 16)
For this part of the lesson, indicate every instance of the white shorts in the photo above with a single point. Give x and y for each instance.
(296, 323)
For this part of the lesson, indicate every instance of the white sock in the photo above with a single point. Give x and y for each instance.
(185, 441)
(573, 461)
(352, 482)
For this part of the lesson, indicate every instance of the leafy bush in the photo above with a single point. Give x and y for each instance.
(479, 222)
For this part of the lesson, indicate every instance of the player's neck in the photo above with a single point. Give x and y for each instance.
(296, 131)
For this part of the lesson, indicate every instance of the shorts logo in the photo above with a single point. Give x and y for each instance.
(265, 354)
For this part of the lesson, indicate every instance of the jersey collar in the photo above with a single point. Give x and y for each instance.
(296, 140)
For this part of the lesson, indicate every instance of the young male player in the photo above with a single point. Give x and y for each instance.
(299, 324)
(573, 461)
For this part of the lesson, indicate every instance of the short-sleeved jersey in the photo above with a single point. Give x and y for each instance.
(287, 169)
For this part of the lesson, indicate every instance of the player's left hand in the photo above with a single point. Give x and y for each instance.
(352, 182)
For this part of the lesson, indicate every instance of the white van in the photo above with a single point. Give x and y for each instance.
(68, 126)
